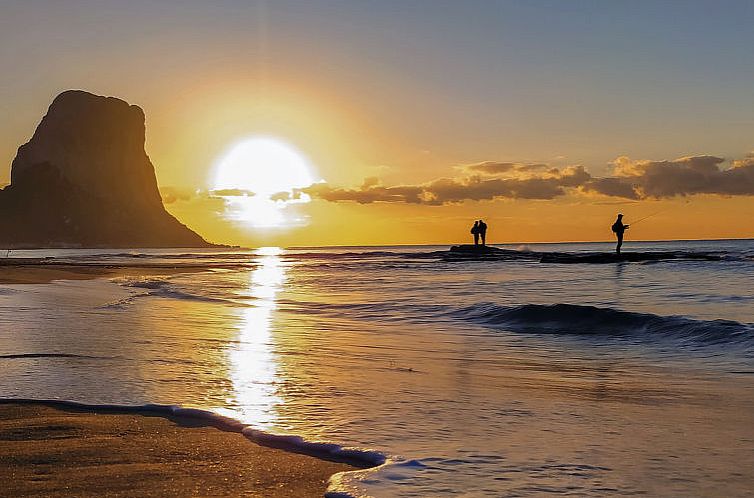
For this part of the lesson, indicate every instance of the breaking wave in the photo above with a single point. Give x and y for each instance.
(159, 287)
(570, 319)
(551, 319)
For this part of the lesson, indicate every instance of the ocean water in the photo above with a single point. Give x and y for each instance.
(503, 377)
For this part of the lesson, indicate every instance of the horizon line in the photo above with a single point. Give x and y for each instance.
(509, 243)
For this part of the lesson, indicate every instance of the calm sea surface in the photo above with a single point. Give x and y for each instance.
(476, 378)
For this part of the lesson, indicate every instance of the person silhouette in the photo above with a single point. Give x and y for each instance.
(483, 231)
(618, 227)
(475, 232)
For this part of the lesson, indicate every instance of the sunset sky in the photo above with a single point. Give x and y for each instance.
(545, 118)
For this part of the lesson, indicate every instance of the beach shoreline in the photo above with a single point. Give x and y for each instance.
(36, 271)
(52, 449)
(444, 379)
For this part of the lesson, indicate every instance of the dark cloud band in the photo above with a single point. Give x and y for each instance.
(491, 180)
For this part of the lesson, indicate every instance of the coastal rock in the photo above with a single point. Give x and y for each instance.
(479, 252)
(476, 249)
(469, 252)
(84, 180)
(627, 257)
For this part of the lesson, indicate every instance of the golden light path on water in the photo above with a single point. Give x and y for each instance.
(253, 368)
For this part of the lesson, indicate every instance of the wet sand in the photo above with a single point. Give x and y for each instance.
(46, 451)
(41, 272)
(44, 275)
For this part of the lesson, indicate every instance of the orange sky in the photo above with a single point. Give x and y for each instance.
(410, 97)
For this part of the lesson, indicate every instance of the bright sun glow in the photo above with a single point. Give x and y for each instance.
(258, 178)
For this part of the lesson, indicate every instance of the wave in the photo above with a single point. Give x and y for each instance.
(570, 319)
(51, 355)
(556, 319)
(162, 287)
(341, 485)
(551, 319)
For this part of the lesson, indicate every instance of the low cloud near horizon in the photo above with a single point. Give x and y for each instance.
(680, 177)
(631, 179)
(172, 195)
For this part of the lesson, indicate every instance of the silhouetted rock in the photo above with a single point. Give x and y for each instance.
(475, 249)
(479, 252)
(628, 257)
(470, 252)
(84, 180)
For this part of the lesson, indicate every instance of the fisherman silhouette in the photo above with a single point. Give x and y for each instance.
(483, 231)
(475, 232)
(618, 227)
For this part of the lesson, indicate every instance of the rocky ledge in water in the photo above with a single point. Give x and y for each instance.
(480, 252)
(84, 180)
(470, 252)
(629, 257)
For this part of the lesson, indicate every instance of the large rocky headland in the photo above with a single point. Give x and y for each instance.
(85, 180)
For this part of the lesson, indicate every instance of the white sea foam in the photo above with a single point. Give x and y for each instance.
(166, 288)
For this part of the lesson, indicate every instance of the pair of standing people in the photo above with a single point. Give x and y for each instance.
(479, 230)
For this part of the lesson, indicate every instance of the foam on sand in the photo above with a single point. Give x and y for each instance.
(341, 485)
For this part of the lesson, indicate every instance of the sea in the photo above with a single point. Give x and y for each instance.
(505, 376)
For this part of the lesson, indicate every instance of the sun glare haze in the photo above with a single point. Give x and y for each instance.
(258, 178)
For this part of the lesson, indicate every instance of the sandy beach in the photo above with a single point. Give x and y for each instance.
(43, 275)
(46, 451)
(39, 271)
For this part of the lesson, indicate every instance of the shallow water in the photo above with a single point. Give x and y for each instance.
(494, 378)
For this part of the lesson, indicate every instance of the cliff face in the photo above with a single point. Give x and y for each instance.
(84, 180)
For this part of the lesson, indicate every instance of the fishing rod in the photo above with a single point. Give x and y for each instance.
(658, 212)
(647, 217)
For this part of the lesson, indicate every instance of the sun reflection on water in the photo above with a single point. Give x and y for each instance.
(252, 361)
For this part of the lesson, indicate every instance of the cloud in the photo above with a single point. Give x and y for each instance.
(497, 168)
(613, 187)
(544, 185)
(231, 192)
(171, 195)
(745, 162)
(631, 180)
(679, 177)
(366, 194)
(284, 196)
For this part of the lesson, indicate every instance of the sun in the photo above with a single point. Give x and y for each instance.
(258, 178)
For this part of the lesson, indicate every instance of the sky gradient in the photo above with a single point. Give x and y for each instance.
(409, 94)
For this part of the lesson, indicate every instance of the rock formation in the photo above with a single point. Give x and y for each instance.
(84, 180)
